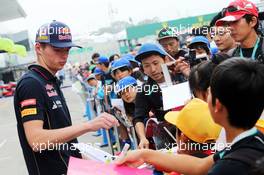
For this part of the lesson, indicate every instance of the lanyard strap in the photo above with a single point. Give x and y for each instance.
(254, 50)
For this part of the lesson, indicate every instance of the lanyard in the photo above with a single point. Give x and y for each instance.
(254, 50)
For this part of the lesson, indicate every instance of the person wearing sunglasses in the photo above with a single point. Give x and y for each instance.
(226, 102)
(241, 18)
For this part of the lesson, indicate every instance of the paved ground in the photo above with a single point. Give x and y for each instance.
(11, 158)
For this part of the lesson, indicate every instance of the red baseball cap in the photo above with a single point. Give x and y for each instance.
(236, 10)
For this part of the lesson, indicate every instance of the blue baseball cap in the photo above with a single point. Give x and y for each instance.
(200, 39)
(125, 82)
(98, 71)
(150, 48)
(56, 34)
(122, 62)
(130, 57)
(102, 59)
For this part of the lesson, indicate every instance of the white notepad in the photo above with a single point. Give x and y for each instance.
(176, 95)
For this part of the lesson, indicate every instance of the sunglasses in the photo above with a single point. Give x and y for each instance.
(231, 9)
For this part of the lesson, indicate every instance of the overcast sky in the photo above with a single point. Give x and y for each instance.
(88, 15)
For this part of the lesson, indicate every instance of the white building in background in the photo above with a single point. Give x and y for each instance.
(10, 10)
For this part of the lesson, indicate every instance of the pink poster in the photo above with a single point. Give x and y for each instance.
(91, 167)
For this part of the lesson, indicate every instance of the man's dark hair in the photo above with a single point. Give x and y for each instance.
(125, 68)
(201, 46)
(215, 18)
(219, 57)
(138, 45)
(248, 18)
(238, 84)
(200, 75)
(111, 58)
(95, 55)
(199, 78)
(105, 64)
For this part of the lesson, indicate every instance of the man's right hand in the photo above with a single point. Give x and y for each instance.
(104, 120)
(143, 144)
(181, 66)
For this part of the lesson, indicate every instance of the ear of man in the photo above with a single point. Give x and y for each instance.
(253, 21)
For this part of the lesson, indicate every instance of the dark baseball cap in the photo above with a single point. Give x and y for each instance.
(167, 32)
(56, 34)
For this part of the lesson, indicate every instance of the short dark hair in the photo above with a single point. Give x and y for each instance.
(200, 75)
(125, 68)
(215, 18)
(248, 18)
(202, 46)
(199, 78)
(95, 55)
(106, 64)
(111, 58)
(238, 84)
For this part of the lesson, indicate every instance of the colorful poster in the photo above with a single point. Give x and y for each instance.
(91, 167)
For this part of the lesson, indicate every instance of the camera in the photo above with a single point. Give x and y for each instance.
(194, 59)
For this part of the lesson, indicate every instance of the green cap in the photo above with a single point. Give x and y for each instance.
(167, 32)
